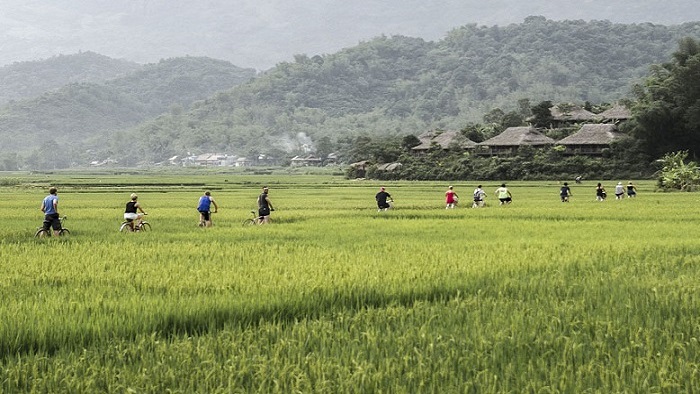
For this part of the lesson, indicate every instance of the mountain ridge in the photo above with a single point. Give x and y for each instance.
(261, 34)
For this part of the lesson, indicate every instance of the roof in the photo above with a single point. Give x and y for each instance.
(593, 134)
(360, 164)
(210, 157)
(444, 140)
(618, 111)
(389, 167)
(517, 136)
(572, 113)
(306, 158)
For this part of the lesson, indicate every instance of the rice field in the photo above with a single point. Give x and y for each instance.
(333, 297)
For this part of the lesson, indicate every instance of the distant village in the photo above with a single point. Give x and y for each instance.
(596, 132)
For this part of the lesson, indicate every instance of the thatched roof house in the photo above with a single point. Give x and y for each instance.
(572, 114)
(591, 139)
(444, 140)
(512, 138)
(310, 160)
(617, 113)
(389, 167)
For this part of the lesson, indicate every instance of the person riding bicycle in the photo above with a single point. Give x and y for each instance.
(383, 198)
(504, 195)
(451, 198)
(264, 206)
(131, 214)
(49, 206)
(204, 207)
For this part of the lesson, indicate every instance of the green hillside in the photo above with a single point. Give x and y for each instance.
(389, 86)
(24, 80)
(82, 115)
(402, 85)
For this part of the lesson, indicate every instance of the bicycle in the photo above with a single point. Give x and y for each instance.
(389, 205)
(256, 220)
(130, 226)
(202, 222)
(42, 232)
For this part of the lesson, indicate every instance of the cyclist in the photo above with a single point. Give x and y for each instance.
(600, 193)
(131, 214)
(50, 209)
(565, 192)
(383, 198)
(451, 198)
(504, 195)
(204, 207)
(264, 206)
(479, 195)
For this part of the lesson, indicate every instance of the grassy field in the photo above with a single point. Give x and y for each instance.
(333, 297)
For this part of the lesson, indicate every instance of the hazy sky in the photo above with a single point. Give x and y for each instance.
(261, 33)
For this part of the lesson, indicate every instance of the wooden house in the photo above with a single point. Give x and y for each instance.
(512, 138)
(618, 113)
(563, 115)
(444, 140)
(591, 139)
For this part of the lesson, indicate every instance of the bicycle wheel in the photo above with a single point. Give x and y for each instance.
(125, 227)
(42, 233)
(249, 222)
(64, 232)
(145, 226)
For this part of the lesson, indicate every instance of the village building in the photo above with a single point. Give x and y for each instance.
(566, 115)
(211, 159)
(389, 167)
(512, 138)
(618, 113)
(591, 139)
(444, 140)
(306, 161)
(243, 162)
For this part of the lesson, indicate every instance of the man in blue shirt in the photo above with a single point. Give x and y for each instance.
(50, 209)
(204, 208)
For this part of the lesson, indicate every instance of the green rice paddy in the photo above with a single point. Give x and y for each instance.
(333, 297)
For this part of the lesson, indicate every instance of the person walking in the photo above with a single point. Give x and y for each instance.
(264, 205)
(204, 208)
(49, 206)
(504, 195)
(451, 198)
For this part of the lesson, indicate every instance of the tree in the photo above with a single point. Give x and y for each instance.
(409, 142)
(541, 115)
(667, 115)
(677, 174)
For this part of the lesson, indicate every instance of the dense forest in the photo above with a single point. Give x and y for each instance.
(389, 87)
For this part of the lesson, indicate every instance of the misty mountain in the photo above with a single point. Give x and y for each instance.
(85, 113)
(24, 80)
(260, 34)
(402, 85)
